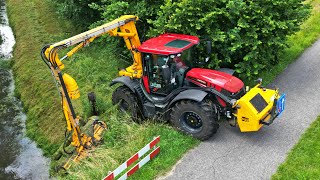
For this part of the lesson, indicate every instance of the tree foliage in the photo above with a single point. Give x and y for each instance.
(78, 11)
(246, 35)
(112, 9)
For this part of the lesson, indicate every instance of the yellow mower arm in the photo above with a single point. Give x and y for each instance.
(126, 25)
(67, 86)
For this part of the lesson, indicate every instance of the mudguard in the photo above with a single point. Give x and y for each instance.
(191, 94)
(130, 83)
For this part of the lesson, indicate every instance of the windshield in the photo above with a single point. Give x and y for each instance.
(193, 56)
(187, 57)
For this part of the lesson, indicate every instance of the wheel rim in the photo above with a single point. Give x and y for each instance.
(191, 122)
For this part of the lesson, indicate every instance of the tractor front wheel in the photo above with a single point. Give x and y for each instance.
(195, 118)
(127, 102)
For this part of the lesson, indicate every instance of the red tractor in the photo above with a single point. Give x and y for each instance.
(164, 81)
(192, 99)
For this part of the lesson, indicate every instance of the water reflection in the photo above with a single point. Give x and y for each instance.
(19, 156)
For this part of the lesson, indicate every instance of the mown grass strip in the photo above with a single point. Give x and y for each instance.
(93, 67)
(30, 21)
(303, 160)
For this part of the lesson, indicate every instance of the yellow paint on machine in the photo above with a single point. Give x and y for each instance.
(248, 117)
(128, 30)
(72, 86)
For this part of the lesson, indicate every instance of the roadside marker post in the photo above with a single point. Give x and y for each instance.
(134, 158)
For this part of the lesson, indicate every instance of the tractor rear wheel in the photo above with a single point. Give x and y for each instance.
(127, 102)
(195, 118)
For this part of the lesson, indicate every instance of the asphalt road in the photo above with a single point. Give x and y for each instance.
(231, 154)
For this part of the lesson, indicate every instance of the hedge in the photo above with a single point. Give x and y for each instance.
(246, 35)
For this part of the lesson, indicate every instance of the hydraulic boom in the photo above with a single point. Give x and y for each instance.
(68, 88)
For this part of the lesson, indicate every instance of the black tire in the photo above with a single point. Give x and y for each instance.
(127, 102)
(197, 119)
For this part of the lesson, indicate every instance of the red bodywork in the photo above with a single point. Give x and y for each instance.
(201, 77)
(157, 45)
(215, 79)
(146, 83)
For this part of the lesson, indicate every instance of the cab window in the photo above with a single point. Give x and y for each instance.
(154, 70)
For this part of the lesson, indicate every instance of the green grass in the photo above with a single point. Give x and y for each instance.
(131, 138)
(303, 160)
(93, 68)
(33, 81)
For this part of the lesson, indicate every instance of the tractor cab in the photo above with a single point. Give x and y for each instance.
(170, 61)
(166, 59)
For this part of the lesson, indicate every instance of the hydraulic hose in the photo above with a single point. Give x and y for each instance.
(66, 139)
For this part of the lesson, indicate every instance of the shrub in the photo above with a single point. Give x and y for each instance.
(246, 35)
(112, 9)
(78, 11)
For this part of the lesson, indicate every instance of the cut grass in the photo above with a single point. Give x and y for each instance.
(33, 82)
(117, 149)
(303, 160)
(93, 68)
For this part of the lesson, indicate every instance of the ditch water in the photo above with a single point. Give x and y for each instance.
(19, 156)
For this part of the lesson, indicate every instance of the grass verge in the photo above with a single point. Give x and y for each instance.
(303, 160)
(33, 28)
(94, 67)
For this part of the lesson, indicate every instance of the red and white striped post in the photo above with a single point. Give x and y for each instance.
(134, 158)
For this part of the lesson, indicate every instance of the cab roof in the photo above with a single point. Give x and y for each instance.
(168, 43)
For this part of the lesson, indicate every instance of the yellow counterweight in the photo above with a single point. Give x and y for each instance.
(256, 106)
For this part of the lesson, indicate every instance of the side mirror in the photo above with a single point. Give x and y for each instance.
(209, 50)
(209, 47)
